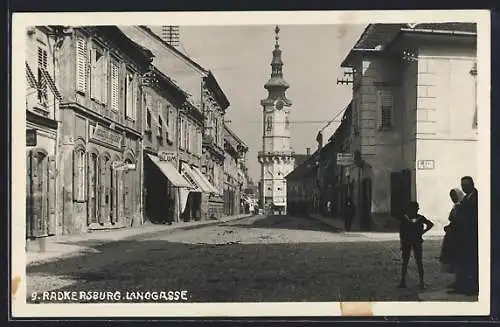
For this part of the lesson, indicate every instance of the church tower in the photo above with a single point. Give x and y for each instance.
(276, 157)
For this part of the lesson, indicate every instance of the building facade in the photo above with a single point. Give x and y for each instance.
(234, 177)
(165, 190)
(276, 157)
(302, 186)
(100, 149)
(188, 75)
(214, 104)
(414, 117)
(42, 137)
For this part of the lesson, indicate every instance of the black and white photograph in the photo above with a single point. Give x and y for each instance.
(246, 164)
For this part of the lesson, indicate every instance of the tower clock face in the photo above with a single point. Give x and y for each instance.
(279, 104)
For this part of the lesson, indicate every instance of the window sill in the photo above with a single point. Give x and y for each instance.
(386, 129)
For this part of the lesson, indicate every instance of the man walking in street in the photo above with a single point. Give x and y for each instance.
(412, 227)
(349, 214)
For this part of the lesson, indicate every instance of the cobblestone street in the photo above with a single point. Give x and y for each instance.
(274, 258)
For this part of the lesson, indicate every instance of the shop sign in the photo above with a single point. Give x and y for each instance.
(345, 159)
(31, 137)
(167, 156)
(106, 135)
(425, 164)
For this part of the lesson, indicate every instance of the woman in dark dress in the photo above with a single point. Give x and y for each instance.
(449, 247)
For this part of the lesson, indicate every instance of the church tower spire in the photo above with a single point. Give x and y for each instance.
(276, 85)
(276, 157)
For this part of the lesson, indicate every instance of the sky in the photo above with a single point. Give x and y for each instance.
(240, 58)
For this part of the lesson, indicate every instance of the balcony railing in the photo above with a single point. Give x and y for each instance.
(275, 153)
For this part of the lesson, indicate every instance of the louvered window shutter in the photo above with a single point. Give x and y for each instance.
(115, 86)
(94, 72)
(42, 83)
(385, 106)
(81, 64)
(76, 175)
(104, 80)
(135, 90)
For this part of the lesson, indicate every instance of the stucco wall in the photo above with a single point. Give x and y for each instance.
(445, 133)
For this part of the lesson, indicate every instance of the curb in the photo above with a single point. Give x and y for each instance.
(139, 235)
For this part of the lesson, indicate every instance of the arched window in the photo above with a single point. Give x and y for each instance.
(79, 178)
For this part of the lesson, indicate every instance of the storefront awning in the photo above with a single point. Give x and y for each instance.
(168, 169)
(202, 177)
(193, 179)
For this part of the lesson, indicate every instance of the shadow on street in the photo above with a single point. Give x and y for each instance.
(284, 222)
(343, 271)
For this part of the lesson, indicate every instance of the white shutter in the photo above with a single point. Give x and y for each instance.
(104, 81)
(115, 85)
(81, 64)
(385, 109)
(94, 78)
(133, 110)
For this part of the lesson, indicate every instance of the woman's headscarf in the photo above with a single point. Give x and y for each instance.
(458, 192)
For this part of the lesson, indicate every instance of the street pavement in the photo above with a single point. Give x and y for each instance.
(264, 259)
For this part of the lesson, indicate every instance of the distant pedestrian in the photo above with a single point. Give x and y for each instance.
(349, 213)
(329, 208)
(449, 249)
(467, 232)
(412, 227)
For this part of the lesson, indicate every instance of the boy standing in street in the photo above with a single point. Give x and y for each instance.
(412, 227)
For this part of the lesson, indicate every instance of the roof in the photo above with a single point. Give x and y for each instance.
(213, 86)
(114, 34)
(300, 159)
(184, 56)
(233, 134)
(376, 36)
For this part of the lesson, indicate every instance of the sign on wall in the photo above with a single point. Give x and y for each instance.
(167, 156)
(425, 164)
(106, 135)
(31, 137)
(345, 159)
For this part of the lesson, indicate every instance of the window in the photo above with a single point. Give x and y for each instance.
(269, 123)
(130, 95)
(98, 75)
(200, 142)
(79, 179)
(385, 104)
(188, 137)
(181, 134)
(115, 85)
(81, 64)
(160, 127)
(42, 83)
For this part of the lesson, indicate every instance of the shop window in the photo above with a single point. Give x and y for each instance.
(79, 179)
(98, 75)
(93, 188)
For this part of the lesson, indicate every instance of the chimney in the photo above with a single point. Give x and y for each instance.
(171, 35)
(308, 152)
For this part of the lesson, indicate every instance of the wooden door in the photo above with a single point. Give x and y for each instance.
(38, 210)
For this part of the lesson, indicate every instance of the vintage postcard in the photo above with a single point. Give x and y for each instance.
(250, 164)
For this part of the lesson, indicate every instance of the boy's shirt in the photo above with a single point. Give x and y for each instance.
(412, 228)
